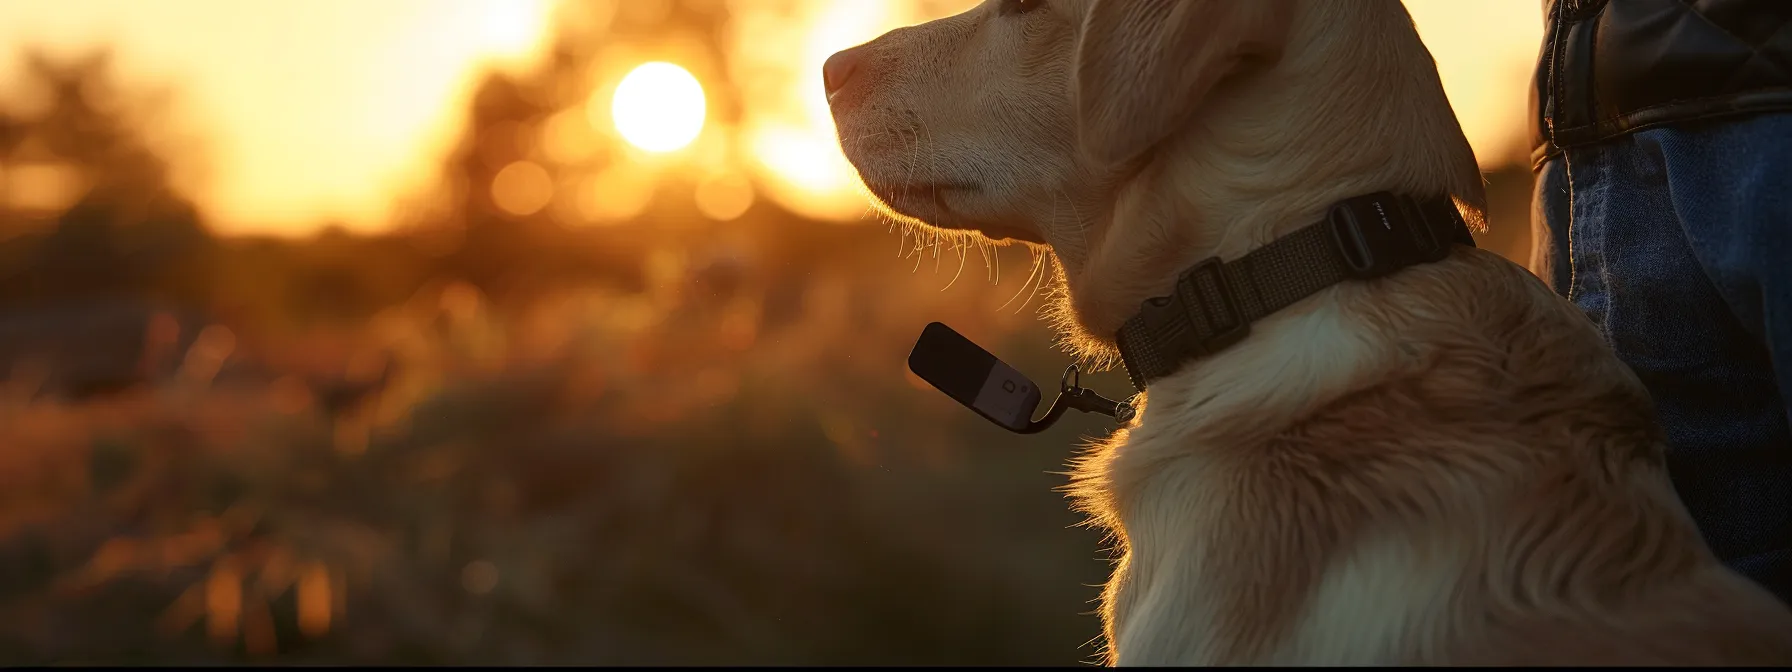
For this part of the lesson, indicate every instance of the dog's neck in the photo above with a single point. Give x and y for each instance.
(1353, 106)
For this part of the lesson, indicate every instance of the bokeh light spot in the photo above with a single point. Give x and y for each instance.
(724, 197)
(42, 187)
(615, 195)
(522, 188)
(567, 137)
(479, 577)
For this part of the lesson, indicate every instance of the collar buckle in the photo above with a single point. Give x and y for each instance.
(1203, 316)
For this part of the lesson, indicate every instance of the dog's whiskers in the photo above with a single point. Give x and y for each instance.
(959, 247)
(919, 250)
(936, 252)
(1037, 277)
(1025, 284)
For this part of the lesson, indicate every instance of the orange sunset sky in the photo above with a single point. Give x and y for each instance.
(311, 111)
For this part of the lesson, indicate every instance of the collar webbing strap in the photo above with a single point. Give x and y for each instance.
(1215, 302)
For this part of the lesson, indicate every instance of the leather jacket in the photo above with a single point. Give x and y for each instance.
(1609, 67)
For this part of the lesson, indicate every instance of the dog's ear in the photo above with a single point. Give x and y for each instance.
(1143, 67)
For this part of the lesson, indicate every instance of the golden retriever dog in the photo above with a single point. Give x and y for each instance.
(1445, 465)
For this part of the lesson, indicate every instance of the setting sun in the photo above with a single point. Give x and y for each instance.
(658, 107)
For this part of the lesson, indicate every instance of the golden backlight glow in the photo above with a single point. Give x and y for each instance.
(304, 111)
(658, 107)
(321, 110)
(778, 52)
(1484, 51)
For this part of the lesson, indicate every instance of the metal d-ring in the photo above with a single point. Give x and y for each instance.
(1071, 394)
(1072, 377)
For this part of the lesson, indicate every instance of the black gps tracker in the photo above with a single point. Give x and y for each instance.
(1001, 394)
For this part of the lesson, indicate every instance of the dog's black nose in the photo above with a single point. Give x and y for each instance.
(839, 68)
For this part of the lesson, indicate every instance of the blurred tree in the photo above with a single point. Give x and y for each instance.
(10, 132)
(128, 231)
(505, 252)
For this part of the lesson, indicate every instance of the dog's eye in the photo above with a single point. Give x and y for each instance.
(1012, 7)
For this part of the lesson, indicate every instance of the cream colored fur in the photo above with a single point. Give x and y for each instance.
(1445, 466)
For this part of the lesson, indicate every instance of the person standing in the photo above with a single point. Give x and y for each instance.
(1662, 135)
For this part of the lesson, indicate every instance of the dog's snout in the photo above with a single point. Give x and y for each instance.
(840, 68)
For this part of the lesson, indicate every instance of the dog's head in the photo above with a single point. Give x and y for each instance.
(973, 122)
(1035, 120)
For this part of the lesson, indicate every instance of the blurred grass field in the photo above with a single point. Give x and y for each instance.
(612, 478)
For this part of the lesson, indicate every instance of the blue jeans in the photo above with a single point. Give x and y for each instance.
(1677, 242)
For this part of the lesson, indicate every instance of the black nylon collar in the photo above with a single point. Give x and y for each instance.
(1215, 302)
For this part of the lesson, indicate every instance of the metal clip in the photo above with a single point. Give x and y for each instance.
(1071, 395)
